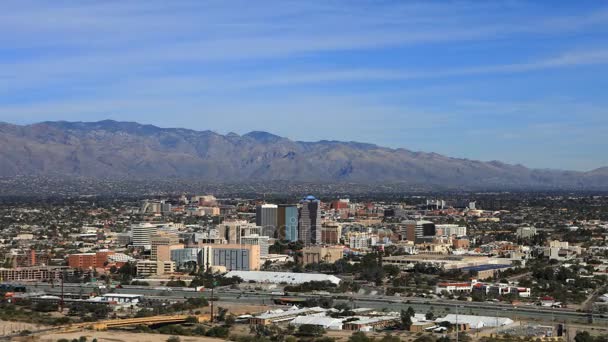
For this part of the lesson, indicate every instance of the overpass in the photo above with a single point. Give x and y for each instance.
(117, 323)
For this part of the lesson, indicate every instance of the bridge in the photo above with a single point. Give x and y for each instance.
(116, 323)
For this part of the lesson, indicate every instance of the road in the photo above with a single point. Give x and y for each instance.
(438, 306)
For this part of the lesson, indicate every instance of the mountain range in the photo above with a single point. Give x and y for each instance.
(110, 149)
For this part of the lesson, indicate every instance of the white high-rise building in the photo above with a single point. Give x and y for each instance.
(141, 234)
(450, 230)
(232, 231)
(261, 241)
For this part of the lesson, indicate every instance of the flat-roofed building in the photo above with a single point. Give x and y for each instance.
(276, 316)
(316, 254)
(141, 234)
(149, 267)
(34, 273)
(419, 231)
(453, 287)
(89, 260)
(235, 256)
(287, 220)
(259, 240)
(266, 216)
(282, 277)
(161, 245)
(331, 233)
(371, 323)
(450, 230)
(309, 221)
(232, 231)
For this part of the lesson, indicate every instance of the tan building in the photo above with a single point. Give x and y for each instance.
(210, 211)
(148, 267)
(232, 231)
(315, 254)
(33, 273)
(460, 243)
(162, 244)
(331, 233)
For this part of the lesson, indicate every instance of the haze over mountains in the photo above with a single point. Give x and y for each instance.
(110, 149)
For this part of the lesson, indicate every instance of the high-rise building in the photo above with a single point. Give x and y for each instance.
(450, 230)
(361, 240)
(141, 234)
(287, 220)
(331, 233)
(309, 223)
(234, 257)
(266, 217)
(232, 231)
(185, 258)
(259, 240)
(161, 245)
(419, 231)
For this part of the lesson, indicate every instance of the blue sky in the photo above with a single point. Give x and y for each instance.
(522, 82)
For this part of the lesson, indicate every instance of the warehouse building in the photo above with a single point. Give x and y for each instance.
(282, 277)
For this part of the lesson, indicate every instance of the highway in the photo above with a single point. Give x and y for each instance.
(439, 306)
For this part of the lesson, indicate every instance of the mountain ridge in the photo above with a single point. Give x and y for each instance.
(108, 148)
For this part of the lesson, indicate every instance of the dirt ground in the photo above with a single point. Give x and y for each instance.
(10, 328)
(120, 336)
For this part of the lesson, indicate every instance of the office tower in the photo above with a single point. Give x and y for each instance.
(258, 240)
(419, 231)
(161, 245)
(141, 234)
(231, 231)
(331, 233)
(165, 208)
(287, 221)
(435, 204)
(450, 230)
(234, 257)
(187, 258)
(266, 217)
(309, 223)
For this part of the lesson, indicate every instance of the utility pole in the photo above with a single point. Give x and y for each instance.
(457, 326)
(496, 317)
(61, 301)
(212, 300)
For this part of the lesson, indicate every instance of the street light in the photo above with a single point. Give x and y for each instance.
(214, 284)
(457, 326)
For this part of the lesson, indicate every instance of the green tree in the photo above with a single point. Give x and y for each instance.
(390, 338)
(310, 330)
(229, 321)
(406, 320)
(583, 336)
(360, 337)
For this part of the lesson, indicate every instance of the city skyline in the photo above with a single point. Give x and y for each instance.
(513, 81)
